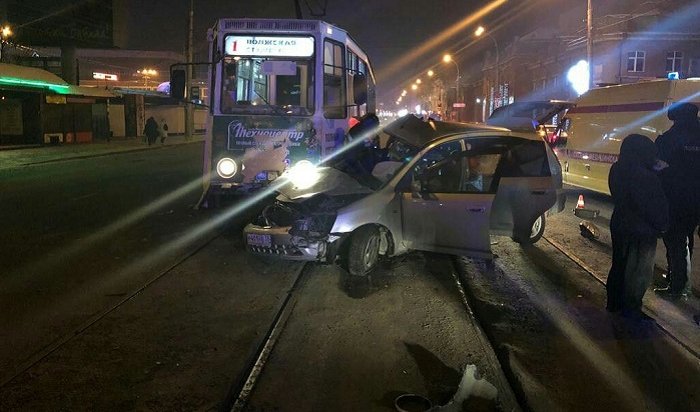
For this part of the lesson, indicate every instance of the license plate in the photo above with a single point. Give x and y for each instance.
(255, 239)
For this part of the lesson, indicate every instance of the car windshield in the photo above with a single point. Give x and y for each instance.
(266, 86)
(374, 162)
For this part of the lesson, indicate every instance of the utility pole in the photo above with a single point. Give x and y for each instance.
(189, 110)
(589, 43)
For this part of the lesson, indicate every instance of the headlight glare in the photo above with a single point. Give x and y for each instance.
(227, 168)
(303, 175)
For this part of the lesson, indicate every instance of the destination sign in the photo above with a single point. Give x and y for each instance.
(278, 46)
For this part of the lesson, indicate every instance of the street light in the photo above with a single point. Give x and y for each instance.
(4, 34)
(447, 59)
(431, 73)
(147, 74)
(478, 33)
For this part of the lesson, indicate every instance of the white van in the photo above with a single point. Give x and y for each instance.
(588, 139)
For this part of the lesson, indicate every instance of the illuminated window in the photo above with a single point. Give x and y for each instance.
(635, 61)
(674, 59)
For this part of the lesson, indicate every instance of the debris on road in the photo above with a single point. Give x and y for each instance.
(589, 230)
(472, 388)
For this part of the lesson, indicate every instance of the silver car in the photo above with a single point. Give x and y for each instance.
(412, 185)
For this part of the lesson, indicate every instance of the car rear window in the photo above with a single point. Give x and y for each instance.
(530, 158)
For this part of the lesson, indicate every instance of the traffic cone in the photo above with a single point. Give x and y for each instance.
(580, 204)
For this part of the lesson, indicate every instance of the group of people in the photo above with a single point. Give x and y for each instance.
(655, 188)
(153, 131)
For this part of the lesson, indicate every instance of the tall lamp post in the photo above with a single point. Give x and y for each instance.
(5, 32)
(147, 74)
(448, 58)
(480, 31)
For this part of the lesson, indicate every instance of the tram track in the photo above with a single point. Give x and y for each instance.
(243, 386)
(76, 331)
(601, 279)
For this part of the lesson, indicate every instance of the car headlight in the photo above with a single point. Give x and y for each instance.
(227, 168)
(303, 175)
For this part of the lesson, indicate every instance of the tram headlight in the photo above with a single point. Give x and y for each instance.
(227, 168)
(303, 175)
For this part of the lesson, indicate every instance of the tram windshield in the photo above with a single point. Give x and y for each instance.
(261, 85)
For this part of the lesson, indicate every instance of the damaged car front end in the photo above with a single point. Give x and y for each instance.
(297, 225)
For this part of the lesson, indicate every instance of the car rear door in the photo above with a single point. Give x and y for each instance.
(529, 182)
(445, 207)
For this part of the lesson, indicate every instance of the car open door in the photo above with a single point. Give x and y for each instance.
(443, 212)
(529, 184)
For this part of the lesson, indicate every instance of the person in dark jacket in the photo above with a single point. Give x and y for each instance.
(640, 216)
(680, 148)
(151, 130)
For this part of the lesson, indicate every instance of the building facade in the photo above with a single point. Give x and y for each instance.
(631, 42)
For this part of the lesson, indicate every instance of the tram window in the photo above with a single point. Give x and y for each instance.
(334, 98)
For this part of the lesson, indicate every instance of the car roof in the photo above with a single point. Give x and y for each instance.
(420, 133)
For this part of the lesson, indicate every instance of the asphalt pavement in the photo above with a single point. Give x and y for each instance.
(18, 156)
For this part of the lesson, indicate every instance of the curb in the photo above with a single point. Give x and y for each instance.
(87, 156)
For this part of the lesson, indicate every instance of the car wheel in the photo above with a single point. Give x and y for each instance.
(533, 233)
(363, 253)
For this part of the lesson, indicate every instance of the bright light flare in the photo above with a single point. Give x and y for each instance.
(431, 73)
(447, 58)
(302, 175)
(579, 76)
(479, 31)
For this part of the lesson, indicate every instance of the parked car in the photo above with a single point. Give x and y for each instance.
(412, 185)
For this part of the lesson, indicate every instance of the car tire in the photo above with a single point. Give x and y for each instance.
(363, 253)
(533, 233)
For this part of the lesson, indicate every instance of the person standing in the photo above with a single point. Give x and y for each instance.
(680, 148)
(151, 130)
(163, 131)
(640, 216)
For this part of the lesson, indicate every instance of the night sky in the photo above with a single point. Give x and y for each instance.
(385, 29)
(388, 30)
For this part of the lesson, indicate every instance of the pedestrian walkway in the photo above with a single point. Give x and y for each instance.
(13, 157)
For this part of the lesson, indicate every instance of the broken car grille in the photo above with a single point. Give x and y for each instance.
(281, 250)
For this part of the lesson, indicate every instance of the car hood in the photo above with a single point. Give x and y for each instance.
(331, 182)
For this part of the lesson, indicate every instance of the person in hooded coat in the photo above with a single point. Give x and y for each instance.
(640, 216)
(680, 148)
(151, 130)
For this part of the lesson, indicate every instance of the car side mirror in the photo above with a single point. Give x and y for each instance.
(178, 79)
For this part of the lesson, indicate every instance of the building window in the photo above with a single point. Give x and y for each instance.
(635, 61)
(673, 61)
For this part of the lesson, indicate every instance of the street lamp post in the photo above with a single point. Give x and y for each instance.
(479, 32)
(448, 58)
(147, 74)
